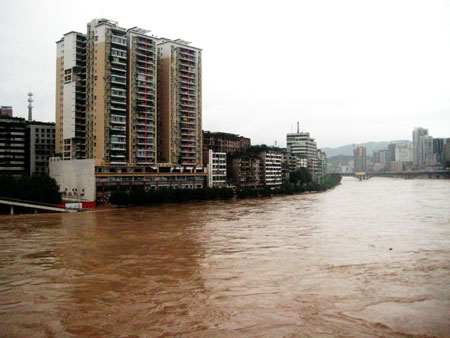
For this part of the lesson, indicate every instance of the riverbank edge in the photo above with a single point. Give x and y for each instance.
(141, 198)
(110, 206)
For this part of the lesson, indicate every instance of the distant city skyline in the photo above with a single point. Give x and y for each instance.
(348, 71)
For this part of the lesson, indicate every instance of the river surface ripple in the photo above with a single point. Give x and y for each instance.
(367, 258)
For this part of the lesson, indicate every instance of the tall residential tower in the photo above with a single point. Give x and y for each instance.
(125, 97)
(179, 110)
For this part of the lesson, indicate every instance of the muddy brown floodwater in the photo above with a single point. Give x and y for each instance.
(366, 259)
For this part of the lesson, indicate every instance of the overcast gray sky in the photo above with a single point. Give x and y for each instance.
(348, 71)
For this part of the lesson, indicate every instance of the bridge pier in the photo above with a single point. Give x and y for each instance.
(12, 210)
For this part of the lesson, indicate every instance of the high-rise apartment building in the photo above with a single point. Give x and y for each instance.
(302, 145)
(130, 103)
(179, 107)
(418, 133)
(360, 159)
(124, 97)
(71, 96)
(403, 151)
(142, 94)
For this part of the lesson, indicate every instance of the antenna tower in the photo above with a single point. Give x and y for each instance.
(30, 106)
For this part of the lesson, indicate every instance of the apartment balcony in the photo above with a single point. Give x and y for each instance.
(183, 80)
(121, 62)
(191, 134)
(141, 137)
(146, 129)
(142, 57)
(118, 80)
(118, 40)
(143, 105)
(148, 156)
(121, 103)
(188, 69)
(188, 76)
(150, 125)
(118, 109)
(188, 118)
(187, 57)
(118, 122)
(118, 128)
(142, 76)
(119, 144)
(118, 156)
(144, 84)
(187, 107)
(150, 116)
(188, 93)
(190, 88)
(187, 124)
(120, 150)
(150, 68)
(184, 51)
(123, 96)
(143, 98)
(120, 76)
(188, 157)
(119, 69)
(187, 101)
(118, 136)
(142, 95)
(145, 48)
(144, 88)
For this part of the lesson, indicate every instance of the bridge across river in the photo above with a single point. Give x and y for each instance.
(33, 205)
(441, 174)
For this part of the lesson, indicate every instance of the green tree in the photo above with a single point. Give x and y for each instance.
(120, 198)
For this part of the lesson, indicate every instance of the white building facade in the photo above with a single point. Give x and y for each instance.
(217, 169)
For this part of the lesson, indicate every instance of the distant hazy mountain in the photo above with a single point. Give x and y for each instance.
(347, 150)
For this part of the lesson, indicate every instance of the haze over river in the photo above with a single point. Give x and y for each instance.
(367, 258)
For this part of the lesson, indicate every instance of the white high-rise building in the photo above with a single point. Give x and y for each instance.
(302, 145)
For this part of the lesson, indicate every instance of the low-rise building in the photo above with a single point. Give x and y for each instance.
(246, 171)
(40, 143)
(396, 166)
(82, 180)
(13, 155)
(225, 142)
(271, 173)
(217, 169)
(322, 164)
(6, 111)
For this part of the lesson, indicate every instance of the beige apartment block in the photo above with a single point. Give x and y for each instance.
(142, 94)
(127, 98)
(179, 108)
(106, 92)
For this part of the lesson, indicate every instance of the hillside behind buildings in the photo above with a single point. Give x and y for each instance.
(347, 150)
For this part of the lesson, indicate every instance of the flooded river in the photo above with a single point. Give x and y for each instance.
(367, 258)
